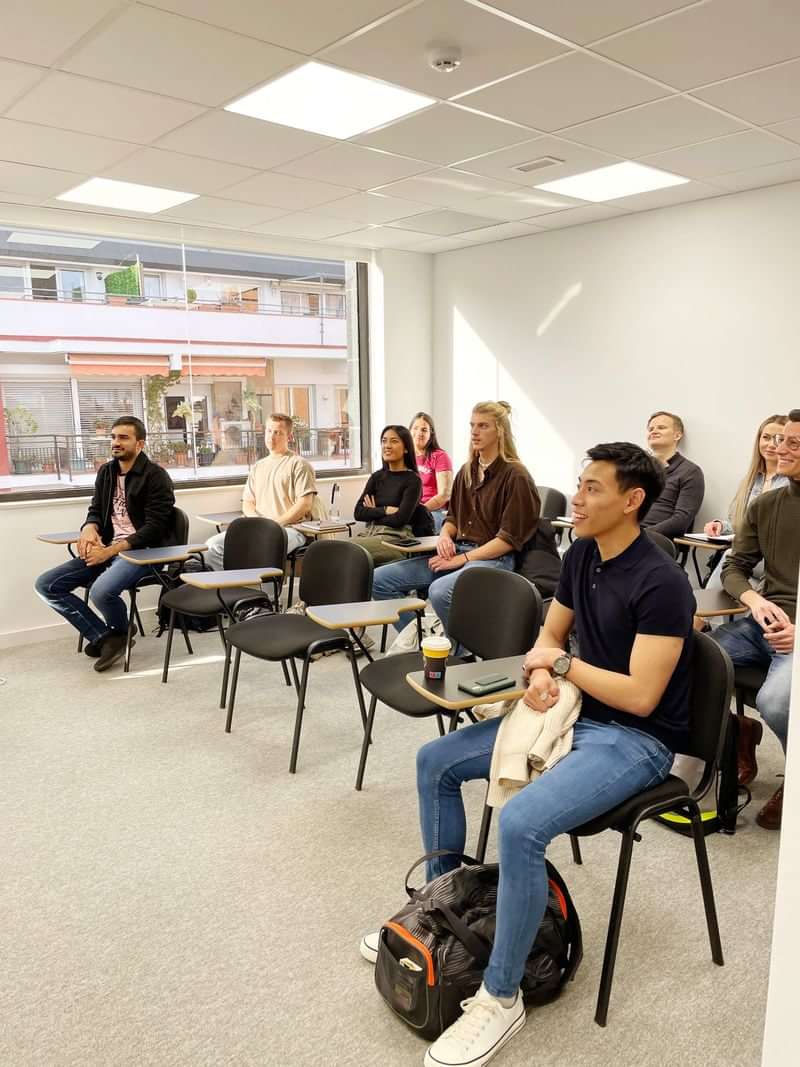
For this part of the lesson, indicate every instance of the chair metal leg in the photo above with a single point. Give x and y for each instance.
(440, 724)
(454, 721)
(221, 630)
(295, 679)
(706, 886)
(483, 833)
(285, 670)
(739, 702)
(362, 763)
(80, 635)
(384, 632)
(290, 594)
(138, 617)
(131, 629)
(185, 633)
(614, 927)
(226, 670)
(576, 850)
(168, 649)
(232, 695)
(357, 682)
(298, 720)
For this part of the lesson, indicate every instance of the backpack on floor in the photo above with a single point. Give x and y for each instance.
(433, 952)
(171, 580)
(721, 807)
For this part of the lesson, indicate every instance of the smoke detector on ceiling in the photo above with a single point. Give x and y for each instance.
(444, 58)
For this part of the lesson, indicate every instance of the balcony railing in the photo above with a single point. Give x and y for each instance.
(67, 455)
(224, 303)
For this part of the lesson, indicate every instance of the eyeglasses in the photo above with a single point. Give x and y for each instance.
(792, 443)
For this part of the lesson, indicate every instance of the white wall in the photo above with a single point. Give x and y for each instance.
(588, 330)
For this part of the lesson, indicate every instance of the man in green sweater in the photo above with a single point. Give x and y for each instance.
(765, 638)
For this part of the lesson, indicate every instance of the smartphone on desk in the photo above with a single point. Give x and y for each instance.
(488, 683)
(405, 542)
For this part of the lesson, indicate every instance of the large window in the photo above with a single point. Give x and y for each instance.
(201, 343)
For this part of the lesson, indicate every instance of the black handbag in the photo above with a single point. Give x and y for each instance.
(433, 952)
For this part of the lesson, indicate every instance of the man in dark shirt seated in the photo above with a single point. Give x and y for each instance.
(684, 488)
(493, 513)
(631, 606)
(132, 507)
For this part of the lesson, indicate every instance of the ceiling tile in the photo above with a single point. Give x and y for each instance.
(498, 233)
(523, 205)
(491, 47)
(352, 165)
(758, 177)
(211, 209)
(443, 223)
(576, 159)
(304, 27)
(241, 139)
(447, 188)
(45, 147)
(154, 50)
(653, 128)
(763, 97)
(42, 33)
(577, 216)
(170, 170)
(737, 152)
(308, 227)
(19, 198)
(441, 244)
(371, 208)
(445, 134)
(282, 190)
(68, 102)
(15, 78)
(564, 92)
(38, 182)
(788, 129)
(708, 42)
(379, 237)
(583, 22)
(675, 194)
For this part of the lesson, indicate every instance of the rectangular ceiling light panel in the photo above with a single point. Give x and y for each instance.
(125, 196)
(609, 183)
(329, 101)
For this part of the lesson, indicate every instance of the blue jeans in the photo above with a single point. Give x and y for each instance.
(744, 642)
(607, 764)
(400, 579)
(107, 581)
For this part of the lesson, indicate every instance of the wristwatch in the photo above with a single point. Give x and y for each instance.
(562, 665)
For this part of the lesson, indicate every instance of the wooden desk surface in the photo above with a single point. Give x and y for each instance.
(712, 602)
(448, 695)
(366, 613)
(68, 537)
(563, 522)
(316, 528)
(145, 557)
(220, 518)
(249, 576)
(426, 544)
(709, 546)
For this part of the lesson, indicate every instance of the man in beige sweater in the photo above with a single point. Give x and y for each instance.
(282, 486)
(765, 638)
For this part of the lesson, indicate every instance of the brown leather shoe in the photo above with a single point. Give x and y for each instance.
(750, 733)
(769, 818)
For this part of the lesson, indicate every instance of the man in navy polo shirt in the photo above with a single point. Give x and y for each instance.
(631, 607)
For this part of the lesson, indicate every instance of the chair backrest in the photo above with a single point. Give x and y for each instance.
(179, 528)
(336, 572)
(663, 543)
(254, 542)
(553, 502)
(710, 692)
(494, 613)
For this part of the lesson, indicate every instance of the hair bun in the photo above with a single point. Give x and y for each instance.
(505, 404)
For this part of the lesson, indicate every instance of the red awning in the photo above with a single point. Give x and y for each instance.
(111, 366)
(216, 366)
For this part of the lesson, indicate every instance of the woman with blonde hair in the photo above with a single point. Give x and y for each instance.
(761, 476)
(493, 514)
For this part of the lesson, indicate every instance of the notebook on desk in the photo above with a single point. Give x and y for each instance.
(719, 539)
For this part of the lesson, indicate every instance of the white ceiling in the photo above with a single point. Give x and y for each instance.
(136, 90)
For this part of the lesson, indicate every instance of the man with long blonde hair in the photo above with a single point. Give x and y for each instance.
(493, 513)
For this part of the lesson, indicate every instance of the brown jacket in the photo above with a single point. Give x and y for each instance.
(505, 504)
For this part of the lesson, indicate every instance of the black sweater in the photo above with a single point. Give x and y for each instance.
(397, 489)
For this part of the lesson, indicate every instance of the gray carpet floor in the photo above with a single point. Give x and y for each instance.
(172, 897)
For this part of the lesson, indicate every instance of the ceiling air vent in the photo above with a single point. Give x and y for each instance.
(538, 164)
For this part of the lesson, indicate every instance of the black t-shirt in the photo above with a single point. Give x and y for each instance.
(640, 591)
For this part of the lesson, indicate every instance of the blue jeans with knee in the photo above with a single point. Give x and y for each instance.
(400, 579)
(106, 581)
(607, 764)
(744, 642)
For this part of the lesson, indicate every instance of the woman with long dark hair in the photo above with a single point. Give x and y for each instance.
(434, 465)
(390, 497)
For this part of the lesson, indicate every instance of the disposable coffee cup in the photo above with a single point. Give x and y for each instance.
(435, 651)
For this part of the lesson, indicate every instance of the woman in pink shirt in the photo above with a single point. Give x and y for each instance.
(434, 466)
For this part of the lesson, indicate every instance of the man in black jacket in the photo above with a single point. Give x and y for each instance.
(132, 507)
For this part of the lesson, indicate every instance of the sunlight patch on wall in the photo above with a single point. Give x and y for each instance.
(558, 307)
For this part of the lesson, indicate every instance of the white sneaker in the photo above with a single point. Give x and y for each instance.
(370, 943)
(477, 1035)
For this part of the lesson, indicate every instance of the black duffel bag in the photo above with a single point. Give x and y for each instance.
(434, 951)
